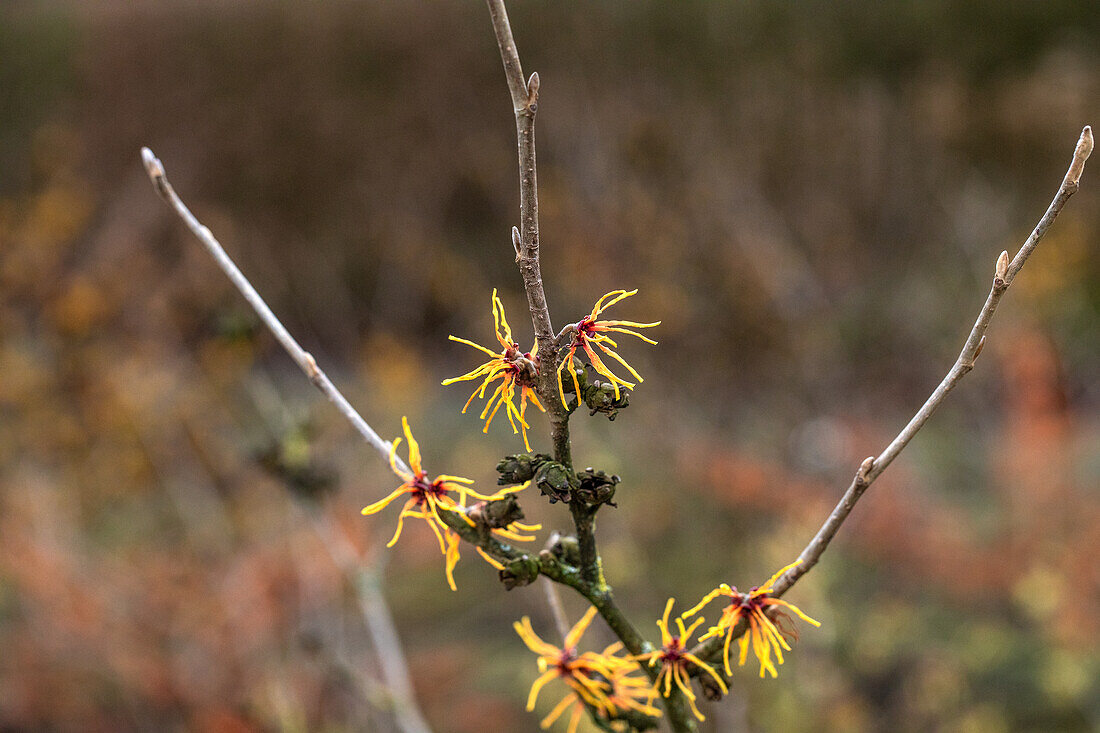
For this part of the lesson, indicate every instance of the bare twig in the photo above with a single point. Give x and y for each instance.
(872, 467)
(525, 240)
(525, 103)
(553, 599)
(302, 358)
(379, 621)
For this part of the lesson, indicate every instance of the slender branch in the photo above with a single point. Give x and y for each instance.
(301, 357)
(872, 467)
(547, 565)
(1004, 274)
(553, 599)
(525, 239)
(379, 621)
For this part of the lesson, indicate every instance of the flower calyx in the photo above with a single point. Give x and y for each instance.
(556, 481)
(519, 468)
(597, 396)
(597, 487)
(600, 397)
(496, 514)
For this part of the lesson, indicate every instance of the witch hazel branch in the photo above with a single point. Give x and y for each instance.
(634, 683)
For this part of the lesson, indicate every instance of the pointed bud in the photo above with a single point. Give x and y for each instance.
(981, 345)
(1080, 155)
(1002, 265)
(152, 164)
(533, 90)
(516, 243)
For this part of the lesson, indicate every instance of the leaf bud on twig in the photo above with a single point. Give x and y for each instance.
(1002, 269)
(1080, 154)
(533, 91)
(153, 166)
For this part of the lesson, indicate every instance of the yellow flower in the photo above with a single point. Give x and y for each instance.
(604, 682)
(589, 331)
(674, 659)
(765, 634)
(512, 367)
(427, 498)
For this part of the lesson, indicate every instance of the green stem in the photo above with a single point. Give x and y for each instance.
(676, 705)
(584, 519)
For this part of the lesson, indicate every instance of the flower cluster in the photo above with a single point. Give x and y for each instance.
(604, 682)
(514, 369)
(674, 658)
(766, 633)
(589, 332)
(426, 499)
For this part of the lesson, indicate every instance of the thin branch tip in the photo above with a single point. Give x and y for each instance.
(152, 164)
(1080, 155)
(1084, 145)
(155, 170)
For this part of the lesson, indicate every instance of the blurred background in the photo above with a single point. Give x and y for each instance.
(810, 196)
